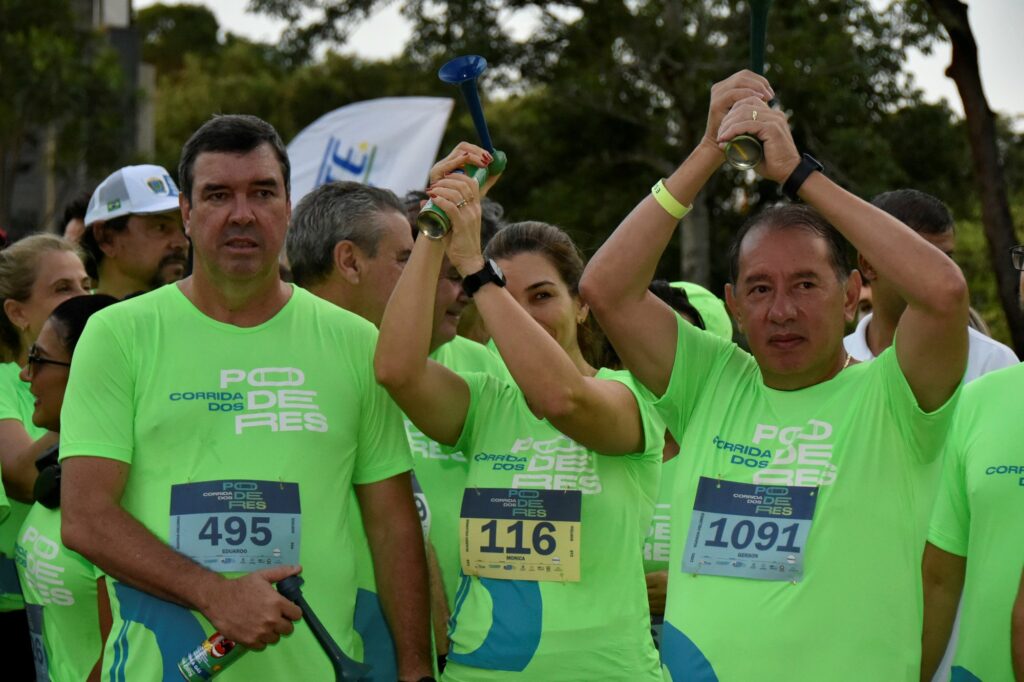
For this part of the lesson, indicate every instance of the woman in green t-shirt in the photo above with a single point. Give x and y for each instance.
(62, 597)
(563, 461)
(36, 273)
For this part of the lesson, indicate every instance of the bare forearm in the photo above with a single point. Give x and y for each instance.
(943, 581)
(401, 572)
(439, 613)
(18, 455)
(541, 368)
(404, 342)
(623, 267)
(126, 550)
(925, 277)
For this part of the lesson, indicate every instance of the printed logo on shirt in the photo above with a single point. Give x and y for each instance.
(421, 446)
(263, 398)
(1006, 470)
(802, 454)
(35, 554)
(557, 464)
(747, 455)
(659, 538)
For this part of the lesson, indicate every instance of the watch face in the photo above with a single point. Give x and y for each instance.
(497, 270)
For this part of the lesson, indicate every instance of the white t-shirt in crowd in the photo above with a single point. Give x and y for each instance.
(984, 355)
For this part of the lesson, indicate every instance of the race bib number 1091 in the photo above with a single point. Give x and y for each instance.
(741, 530)
(521, 534)
(236, 526)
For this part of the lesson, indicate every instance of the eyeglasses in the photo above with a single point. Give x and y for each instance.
(1017, 257)
(35, 359)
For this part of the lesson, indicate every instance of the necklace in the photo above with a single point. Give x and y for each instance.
(847, 363)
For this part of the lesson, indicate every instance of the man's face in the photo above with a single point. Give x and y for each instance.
(791, 305)
(238, 214)
(448, 305)
(151, 249)
(382, 270)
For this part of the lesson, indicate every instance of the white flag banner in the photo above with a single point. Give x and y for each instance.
(390, 142)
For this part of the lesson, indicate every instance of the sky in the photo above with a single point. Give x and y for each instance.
(993, 22)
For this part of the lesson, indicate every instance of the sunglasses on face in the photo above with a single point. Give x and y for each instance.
(35, 360)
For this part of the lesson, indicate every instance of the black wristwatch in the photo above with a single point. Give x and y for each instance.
(808, 164)
(490, 274)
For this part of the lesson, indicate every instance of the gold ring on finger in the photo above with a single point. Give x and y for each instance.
(461, 203)
(753, 115)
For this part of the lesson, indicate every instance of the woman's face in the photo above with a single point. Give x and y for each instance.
(61, 276)
(47, 378)
(536, 285)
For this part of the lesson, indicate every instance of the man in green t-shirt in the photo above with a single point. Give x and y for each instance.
(974, 555)
(803, 488)
(213, 431)
(348, 244)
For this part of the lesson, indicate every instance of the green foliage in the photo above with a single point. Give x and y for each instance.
(169, 32)
(55, 77)
(601, 98)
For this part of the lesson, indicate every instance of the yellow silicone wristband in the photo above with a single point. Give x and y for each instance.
(667, 201)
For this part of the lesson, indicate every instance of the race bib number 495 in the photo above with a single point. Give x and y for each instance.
(740, 530)
(521, 534)
(236, 526)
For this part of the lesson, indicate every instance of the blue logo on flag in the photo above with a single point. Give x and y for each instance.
(352, 165)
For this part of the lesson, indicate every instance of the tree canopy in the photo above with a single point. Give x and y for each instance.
(599, 99)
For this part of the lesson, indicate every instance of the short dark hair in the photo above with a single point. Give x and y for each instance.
(335, 212)
(920, 211)
(76, 208)
(797, 216)
(69, 317)
(232, 133)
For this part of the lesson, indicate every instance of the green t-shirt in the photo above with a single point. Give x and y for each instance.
(978, 514)
(862, 439)
(17, 403)
(598, 627)
(273, 422)
(60, 596)
(441, 471)
(659, 536)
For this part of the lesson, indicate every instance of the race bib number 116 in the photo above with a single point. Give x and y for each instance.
(521, 534)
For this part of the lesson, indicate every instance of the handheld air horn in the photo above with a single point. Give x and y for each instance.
(744, 151)
(463, 71)
(345, 669)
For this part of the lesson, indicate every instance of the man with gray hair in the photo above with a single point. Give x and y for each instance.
(348, 243)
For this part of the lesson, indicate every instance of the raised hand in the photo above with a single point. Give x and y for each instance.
(752, 116)
(725, 94)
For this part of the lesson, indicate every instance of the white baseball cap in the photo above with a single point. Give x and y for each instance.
(133, 190)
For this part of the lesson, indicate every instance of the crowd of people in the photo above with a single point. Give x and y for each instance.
(489, 459)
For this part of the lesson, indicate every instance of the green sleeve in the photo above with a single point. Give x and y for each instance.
(950, 525)
(99, 404)
(383, 446)
(484, 394)
(653, 424)
(700, 357)
(924, 432)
